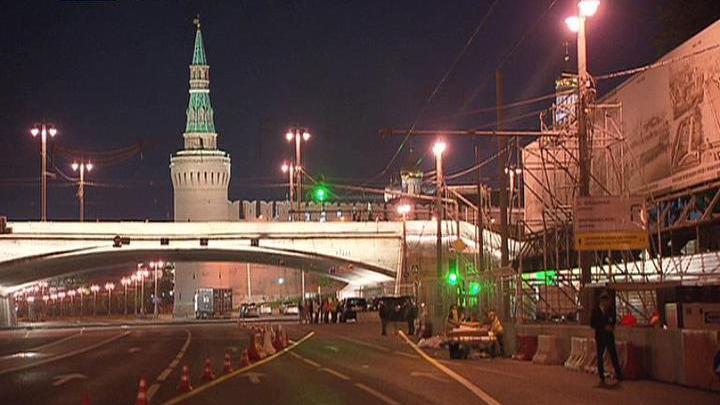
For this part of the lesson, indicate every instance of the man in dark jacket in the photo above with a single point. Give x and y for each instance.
(603, 321)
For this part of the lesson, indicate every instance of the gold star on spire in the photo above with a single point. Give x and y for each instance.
(196, 21)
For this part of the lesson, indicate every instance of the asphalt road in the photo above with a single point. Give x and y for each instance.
(338, 364)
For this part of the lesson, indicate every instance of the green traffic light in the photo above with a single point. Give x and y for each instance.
(320, 193)
(474, 288)
(452, 278)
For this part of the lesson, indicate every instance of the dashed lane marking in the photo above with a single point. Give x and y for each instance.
(376, 394)
(169, 369)
(412, 356)
(455, 376)
(366, 344)
(312, 363)
(335, 373)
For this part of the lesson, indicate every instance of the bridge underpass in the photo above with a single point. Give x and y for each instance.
(356, 253)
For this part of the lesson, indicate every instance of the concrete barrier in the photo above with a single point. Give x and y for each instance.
(699, 349)
(589, 364)
(578, 349)
(549, 350)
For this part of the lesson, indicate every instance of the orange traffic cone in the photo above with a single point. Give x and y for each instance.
(208, 373)
(86, 399)
(142, 393)
(245, 357)
(276, 342)
(253, 352)
(184, 385)
(227, 366)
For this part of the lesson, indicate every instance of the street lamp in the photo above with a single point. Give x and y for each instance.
(82, 167)
(156, 265)
(438, 149)
(290, 169)
(61, 295)
(299, 135)
(31, 308)
(125, 281)
(586, 8)
(142, 274)
(134, 278)
(43, 130)
(94, 288)
(109, 287)
(71, 294)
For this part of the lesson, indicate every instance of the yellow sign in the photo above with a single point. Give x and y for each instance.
(591, 241)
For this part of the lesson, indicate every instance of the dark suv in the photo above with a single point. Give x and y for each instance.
(396, 309)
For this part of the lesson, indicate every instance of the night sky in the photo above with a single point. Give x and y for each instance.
(112, 73)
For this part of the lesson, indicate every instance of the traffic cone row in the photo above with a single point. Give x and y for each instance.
(208, 373)
(184, 385)
(142, 398)
(245, 357)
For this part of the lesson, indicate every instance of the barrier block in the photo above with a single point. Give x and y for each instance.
(578, 348)
(699, 350)
(549, 350)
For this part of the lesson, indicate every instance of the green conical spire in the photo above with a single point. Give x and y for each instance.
(199, 52)
(200, 115)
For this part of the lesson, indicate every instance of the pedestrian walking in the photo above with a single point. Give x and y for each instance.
(603, 321)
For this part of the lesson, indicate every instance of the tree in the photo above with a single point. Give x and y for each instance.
(681, 19)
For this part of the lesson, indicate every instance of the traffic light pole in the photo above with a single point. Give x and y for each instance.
(439, 302)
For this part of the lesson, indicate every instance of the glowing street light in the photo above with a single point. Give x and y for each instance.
(125, 281)
(94, 288)
(298, 135)
(109, 287)
(43, 130)
(82, 167)
(588, 8)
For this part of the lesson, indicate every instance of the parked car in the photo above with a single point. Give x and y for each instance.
(289, 308)
(249, 311)
(265, 309)
(212, 303)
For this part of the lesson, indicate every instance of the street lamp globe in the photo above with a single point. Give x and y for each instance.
(573, 23)
(75, 166)
(588, 8)
(306, 135)
(289, 136)
(89, 166)
(109, 286)
(404, 209)
(94, 288)
(52, 131)
(34, 131)
(285, 167)
(439, 148)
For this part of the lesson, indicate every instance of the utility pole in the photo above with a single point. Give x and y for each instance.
(583, 144)
(479, 224)
(438, 150)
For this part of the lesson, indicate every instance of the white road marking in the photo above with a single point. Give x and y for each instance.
(377, 394)
(361, 343)
(431, 376)
(297, 356)
(63, 378)
(254, 377)
(333, 348)
(335, 373)
(503, 373)
(455, 376)
(312, 363)
(133, 350)
(164, 375)
(45, 346)
(64, 355)
(365, 366)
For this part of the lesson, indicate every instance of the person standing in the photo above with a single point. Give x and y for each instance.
(497, 328)
(603, 321)
(411, 316)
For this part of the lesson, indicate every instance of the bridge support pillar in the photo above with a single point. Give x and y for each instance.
(7, 312)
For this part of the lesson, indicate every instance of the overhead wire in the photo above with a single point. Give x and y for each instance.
(437, 88)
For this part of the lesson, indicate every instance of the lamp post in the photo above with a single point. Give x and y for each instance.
(109, 287)
(142, 275)
(125, 281)
(298, 135)
(82, 167)
(134, 278)
(156, 265)
(43, 130)
(438, 150)
(586, 8)
(61, 296)
(71, 295)
(31, 308)
(94, 288)
(290, 169)
(403, 209)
